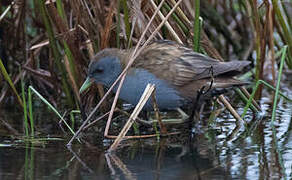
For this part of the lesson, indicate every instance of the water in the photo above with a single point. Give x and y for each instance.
(218, 150)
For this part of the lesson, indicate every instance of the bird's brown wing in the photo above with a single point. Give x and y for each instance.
(180, 65)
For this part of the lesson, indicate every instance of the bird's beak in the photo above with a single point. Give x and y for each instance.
(87, 83)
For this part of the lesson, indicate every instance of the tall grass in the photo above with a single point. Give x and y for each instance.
(70, 25)
(24, 108)
(8, 79)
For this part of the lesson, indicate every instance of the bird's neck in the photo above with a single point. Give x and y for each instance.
(124, 56)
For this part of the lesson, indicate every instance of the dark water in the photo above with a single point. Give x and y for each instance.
(219, 149)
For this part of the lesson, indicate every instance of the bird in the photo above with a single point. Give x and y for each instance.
(177, 72)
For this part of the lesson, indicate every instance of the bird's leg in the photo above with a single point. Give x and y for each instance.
(201, 92)
(211, 83)
(218, 92)
(144, 115)
(157, 114)
(184, 118)
(196, 104)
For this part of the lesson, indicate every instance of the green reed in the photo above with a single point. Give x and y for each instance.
(32, 90)
(197, 27)
(277, 89)
(127, 21)
(8, 79)
(53, 43)
(24, 108)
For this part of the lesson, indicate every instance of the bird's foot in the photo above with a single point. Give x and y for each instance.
(183, 118)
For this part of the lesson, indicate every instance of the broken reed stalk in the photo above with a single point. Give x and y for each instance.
(95, 121)
(141, 136)
(6, 11)
(229, 107)
(144, 98)
(157, 114)
(114, 105)
(246, 93)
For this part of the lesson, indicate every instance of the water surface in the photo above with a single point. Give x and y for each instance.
(220, 149)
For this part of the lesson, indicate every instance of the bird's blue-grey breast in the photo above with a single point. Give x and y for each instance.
(107, 70)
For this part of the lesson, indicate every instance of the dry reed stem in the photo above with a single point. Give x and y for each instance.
(6, 10)
(106, 30)
(117, 161)
(143, 136)
(74, 85)
(95, 121)
(229, 107)
(39, 45)
(271, 43)
(171, 30)
(144, 98)
(109, 164)
(9, 127)
(246, 93)
(157, 114)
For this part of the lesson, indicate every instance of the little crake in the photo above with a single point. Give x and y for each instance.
(177, 72)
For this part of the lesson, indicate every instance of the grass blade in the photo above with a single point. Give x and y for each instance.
(7, 78)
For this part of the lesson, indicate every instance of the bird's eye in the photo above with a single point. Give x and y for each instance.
(98, 70)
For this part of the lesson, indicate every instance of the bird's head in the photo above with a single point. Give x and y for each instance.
(104, 68)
